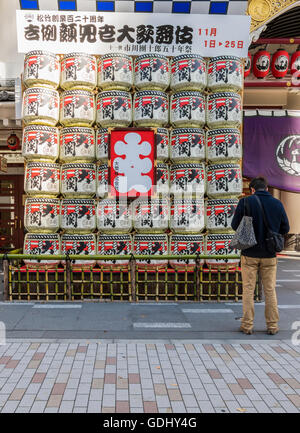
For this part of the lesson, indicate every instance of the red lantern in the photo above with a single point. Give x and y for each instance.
(280, 63)
(247, 65)
(261, 63)
(295, 65)
(13, 142)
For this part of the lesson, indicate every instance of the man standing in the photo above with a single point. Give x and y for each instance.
(258, 257)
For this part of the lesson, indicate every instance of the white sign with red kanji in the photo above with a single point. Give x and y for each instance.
(133, 33)
(132, 171)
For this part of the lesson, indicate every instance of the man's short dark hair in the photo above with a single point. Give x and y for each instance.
(259, 183)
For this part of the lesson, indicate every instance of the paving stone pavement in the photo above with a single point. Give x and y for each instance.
(153, 377)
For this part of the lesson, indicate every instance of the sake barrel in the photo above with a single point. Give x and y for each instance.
(79, 244)
(151, 215)
(77, 144)
(151, 108)
(102, 141)
(78, 70)
(42, 179)
(225, 73)
(78, 215)
(219, 214)
(187, 109)
(115, 72)
(188, 72)
(224, 180)
(40, 106)
(220, 244)
(41, 67)
(162, 144)
(151, 71)
(40, 143)
(114, 216)
(77, 108)
(223, 144)
(114, 108)
(181, 245)
(78, 180)
(42, 215)
(102, 180)
(114, 245)
(187, 179)
(148, 244)
(162, 178)
(42, 244)
(187, 144)
(187, 215)
(224, 110)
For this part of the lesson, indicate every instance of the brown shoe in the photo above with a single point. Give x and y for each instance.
(246, 331)
(272, 331)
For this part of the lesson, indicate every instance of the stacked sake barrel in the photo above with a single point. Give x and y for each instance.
(223, 154)
(59, 149)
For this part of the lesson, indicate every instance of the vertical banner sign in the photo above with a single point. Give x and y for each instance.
(133, 33)
(132, 159)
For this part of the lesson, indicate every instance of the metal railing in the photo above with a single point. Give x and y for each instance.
(69, 281)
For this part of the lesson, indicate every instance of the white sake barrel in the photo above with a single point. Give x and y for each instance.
(114, 245)
(162, 144)
(42, 215)
(78, 180)
(223, 144)
(102, 180)
(41, 67)
(102, 142)
(187, 216)
(40, 106)
(114, 216)
(181, 245)
(75, 244)
(187, 109)
(78, 215)
(162, 179)
(220, 244)
(78, 70)
(187, 144)
(114, 108)
(42, 244)
(151, 215)
(115, 72)
(42, 179)
(77, 108)
(224, 180)
(219, 214)
(188, 72)
(148, 244)
(151, 108)
(40, 143)
(225, 73)
(151, 71)
(77, 144)
(187, 179)
(224, 110)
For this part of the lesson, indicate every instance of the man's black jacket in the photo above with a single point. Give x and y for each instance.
(276, 217)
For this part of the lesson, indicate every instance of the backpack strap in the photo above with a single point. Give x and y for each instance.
(247, 211)
(263, 212)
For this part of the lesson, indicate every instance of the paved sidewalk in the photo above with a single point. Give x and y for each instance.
(159, 376)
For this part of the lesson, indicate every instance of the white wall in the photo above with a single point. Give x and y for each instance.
(11, 63)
